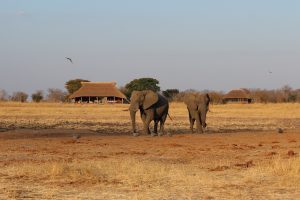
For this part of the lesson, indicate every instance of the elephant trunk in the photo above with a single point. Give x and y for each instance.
(198, 122)
(132, 116)
(203, 119)
(204, 111)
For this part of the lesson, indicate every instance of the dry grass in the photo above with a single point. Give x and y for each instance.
(157, 180)
(222, 118)
(285, 171)
(245, 163)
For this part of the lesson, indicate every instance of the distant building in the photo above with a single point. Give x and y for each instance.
(238, 96)
(98, 92)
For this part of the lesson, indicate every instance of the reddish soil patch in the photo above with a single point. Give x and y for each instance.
(291, 153)
(216, 153)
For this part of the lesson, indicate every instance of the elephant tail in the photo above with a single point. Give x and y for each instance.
(170, 117)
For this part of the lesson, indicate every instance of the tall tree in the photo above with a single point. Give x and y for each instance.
(170, 93)
(19, 96)
(37, 96)
(74, 84)
(141, 84)
(56, 95)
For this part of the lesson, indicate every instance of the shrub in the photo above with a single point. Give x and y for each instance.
(3, 95)
(170, 93)
(19, 96)
(56, 95)
(37, 96)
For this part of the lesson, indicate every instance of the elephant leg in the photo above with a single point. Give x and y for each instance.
(203, 120)
(162, 125)
(146, 125)
(192, 120)
(198, 123)
(155, 126)
(161, 128)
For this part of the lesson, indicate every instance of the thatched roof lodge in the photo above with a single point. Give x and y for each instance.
(98, 92)
(238, 96)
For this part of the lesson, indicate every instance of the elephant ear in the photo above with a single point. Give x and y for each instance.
(150, 99)
(207, 99)
(202, 100)
(190, 101)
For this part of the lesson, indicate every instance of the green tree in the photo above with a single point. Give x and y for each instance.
(37, 96)
(170, 93)
(74, 84)
(141, 84)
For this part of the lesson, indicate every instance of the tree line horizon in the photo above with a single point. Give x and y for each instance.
(285, 94)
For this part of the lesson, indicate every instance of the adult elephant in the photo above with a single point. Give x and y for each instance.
(197, 105)
(152, 106)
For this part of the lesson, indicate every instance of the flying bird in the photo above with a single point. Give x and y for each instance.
(270, 72)
(69, 59)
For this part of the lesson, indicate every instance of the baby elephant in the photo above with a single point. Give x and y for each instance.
(197, 106)
(152, 106)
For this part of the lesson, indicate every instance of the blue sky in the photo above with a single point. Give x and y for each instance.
(215, 45)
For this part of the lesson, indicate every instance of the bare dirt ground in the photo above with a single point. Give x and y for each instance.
(241, 155)
(51, 164)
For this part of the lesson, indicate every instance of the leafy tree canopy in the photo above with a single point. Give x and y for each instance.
(37, 96)
(141, 84)
(74, 84)
(170, 93)
(19, 96)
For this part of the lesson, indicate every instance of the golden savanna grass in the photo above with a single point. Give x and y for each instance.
(241, 155)
(230, 117)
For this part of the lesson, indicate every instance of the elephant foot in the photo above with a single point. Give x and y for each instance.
(153, 134)
(199, 132)
(135, 134)
(160, 134)
(147, 132)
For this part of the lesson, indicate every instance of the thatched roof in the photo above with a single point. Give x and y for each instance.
(238, 94)
(98, 89)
